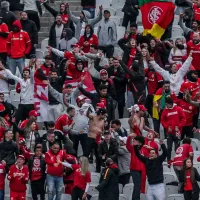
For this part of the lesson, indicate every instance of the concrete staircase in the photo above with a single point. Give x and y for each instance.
(47, 19)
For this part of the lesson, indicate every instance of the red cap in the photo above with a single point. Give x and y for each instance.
(80, 98)
(21, 156)
(142, 108)
(33, 113)
(103, 72)
(100, 105)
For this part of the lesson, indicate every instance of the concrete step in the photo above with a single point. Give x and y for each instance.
(43, 34)
(47, 14)
(44, 29)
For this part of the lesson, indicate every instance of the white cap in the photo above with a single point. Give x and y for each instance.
(123, 139)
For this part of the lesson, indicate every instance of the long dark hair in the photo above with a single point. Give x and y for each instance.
(27, 128)
(91, 32)
(192, 173)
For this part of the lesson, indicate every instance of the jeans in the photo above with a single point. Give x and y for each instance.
(54, 182)
(170, 139)
(130, 99)
(2, 192)
(136, 176)
(14, 63)
(91, 11)
(156, 192)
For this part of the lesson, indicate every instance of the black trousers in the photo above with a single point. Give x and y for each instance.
(120, 104)
(37, 187)
(33, 15)
(91, 144)
(190, 195)
(170, 139)
(3, 56)
(124, 179)
(108, 50)
(77, 193)
(187, 131)
(83, 140)
(149, 103)
(23, 111)
(128, 18)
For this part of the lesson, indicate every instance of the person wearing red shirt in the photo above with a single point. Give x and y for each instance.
(189, 177)
(150, 144)
(37, 168)
(65, 122)
(88, 39)
(2, 179)
(182, 152)
(82, 178)
(3, 39)
(173, 120)
(154, 82)
(18, 176)
(137, 167)
(55, 170)
(196, 9)
(18, 46)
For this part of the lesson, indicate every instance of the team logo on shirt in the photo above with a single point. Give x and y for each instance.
(154, 14)
(179, 152)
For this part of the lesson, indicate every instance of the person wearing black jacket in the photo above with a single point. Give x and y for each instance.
(101, 96)
(37, 175)
(8, 149)
(47, 141)
(63, 13)
(136, 82)
(118, 76)
(130, 11)
(108, 148)
(8, 16)
(154, 170)
(30, 27)
(109, 182)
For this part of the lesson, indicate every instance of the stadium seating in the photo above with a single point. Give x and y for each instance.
(128, 190)
(175, 197)
(95, 177)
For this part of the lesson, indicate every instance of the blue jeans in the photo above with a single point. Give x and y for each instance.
(91, 11)
(2, 194)
(14, 63)
(54, 182)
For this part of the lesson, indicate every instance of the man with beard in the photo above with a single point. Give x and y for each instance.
(55, 107)
(30, 27)
(194, 45)
(18, 46)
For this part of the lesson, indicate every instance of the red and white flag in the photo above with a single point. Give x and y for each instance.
(41, 101)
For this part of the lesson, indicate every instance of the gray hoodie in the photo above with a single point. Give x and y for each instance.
(78, 22)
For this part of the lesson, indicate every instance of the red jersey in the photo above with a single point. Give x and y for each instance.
(153, 79)
(18, 178)
(80, 180)
(188, 183)
(182, 153)
(195, 55)
(93, 40)
(196, 12)
(36, 170)
(104, 101)
(152, 144)
(51, 159)
(65, 17)
(46, 70)
(63, 122)
(23, 124)
(189, 112)
(131, 57)
(2, 176)
(3, 40)
(18, 44)
(172, 117)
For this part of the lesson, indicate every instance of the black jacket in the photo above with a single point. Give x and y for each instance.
(95, 97)
(112, 152)
(52, 33)
(30, 27)
(195, 186)
(8, 18)
(8, 151)
(119, 80)
(154, 167)
(15, 5)
(88, 3)
(129, 7)
(109, 184)
(9, 110)
(122, 132)
(42, 165)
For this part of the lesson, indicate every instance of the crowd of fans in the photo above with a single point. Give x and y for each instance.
(160, 78)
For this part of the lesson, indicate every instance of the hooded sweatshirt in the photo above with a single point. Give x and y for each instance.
(18, 44)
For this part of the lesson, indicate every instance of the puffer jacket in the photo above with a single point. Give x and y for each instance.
(124, 159)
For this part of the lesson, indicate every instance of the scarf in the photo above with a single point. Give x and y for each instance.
(162, 100)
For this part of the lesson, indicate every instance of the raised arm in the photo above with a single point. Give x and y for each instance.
(185, 29)
(163, 156)
(71, 16)
(57, 95)
(50, 9)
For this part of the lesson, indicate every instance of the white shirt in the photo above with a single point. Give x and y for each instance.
(29, 5)
(59, 30)
(30, 141)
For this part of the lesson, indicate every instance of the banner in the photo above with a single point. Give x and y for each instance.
(41, 101)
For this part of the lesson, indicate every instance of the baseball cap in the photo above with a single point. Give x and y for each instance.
(33, 113)
(21, 156)
(103, 72)
(106, 11)
(142, 108)
(123, 139)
